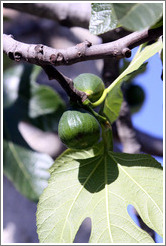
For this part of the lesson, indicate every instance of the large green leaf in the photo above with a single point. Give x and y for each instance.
(28, 170)
(137, 16)
(114, 98)
(132, 16)
(100, 185)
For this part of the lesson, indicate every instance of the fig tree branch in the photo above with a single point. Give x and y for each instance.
(68, 14)
(66, 83)
(149, 144)
(126, 132)
(40, 54)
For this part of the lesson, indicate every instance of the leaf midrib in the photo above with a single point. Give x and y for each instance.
(107, 199)
(128, 13)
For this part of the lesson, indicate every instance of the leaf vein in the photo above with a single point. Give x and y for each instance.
(140, 187)
(78, 195)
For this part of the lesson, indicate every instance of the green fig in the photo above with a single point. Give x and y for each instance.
(78, 129)
(91, 84)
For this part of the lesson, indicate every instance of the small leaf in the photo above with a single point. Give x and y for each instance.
(100, 185)
(132, 75)
(144, 55)
(114, 98)
(27, 170)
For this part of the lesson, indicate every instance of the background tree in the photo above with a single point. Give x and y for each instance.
(39, 105)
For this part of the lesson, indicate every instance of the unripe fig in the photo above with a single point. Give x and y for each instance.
(78, 129)
(91, 84)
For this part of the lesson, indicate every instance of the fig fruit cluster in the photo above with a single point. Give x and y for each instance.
(79, 129)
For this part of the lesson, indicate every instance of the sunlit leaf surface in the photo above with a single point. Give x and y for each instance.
(100, 185)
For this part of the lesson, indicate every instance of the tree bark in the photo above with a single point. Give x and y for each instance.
(43, 55)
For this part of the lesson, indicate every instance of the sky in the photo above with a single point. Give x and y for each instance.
(150, 118)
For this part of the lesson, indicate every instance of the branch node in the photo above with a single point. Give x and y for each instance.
(17, 56)
(82, 47)
(53, 58)
(11, 36)
(88, 43)
(60, 57)
(39, 48)
(126, 52)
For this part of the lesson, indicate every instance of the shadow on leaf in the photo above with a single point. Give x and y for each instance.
(96, 172)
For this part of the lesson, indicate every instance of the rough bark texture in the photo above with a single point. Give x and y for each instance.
(43, 55)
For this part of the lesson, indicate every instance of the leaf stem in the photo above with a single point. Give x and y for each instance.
(107, 90)
(107, 138)
(106, 129)
(101, 99)
(102, 120)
